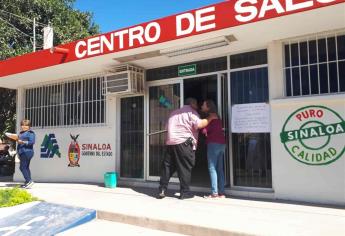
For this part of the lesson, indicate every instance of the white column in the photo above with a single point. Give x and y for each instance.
(19, 113)
(275, 70)
(20, 107)
(276, 88)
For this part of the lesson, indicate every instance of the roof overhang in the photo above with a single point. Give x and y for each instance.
(241, 37)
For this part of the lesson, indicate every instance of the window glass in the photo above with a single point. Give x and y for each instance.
(288, 82)
(321, 45)
(294, 55)
(341, 67)
(323, 70)
(312, 52)
(304, 53)
(314, 79)
(296, 81)
(341, 47)
(333, 77)
(287, 55)
(248, 59)
(331, 47)
(305, 82)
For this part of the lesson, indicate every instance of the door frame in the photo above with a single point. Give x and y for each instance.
(147, 122)
(179, 80)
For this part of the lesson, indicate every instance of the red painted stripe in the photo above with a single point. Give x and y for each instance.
(225, 17)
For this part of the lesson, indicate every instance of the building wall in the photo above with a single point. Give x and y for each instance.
(97, 149)
(92, 165)
(292, 179)
(315, 181)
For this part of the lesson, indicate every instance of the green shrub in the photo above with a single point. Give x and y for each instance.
(15, 196)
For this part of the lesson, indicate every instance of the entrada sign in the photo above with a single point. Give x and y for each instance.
(314, 135)
(187, 70)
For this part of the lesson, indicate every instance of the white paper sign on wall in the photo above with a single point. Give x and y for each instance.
(251, 118)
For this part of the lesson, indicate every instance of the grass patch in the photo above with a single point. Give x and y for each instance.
(15, 196)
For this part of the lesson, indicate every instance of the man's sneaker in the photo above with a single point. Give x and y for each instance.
(221, 195)
(29, 185)
(186, 195)
(161, 194)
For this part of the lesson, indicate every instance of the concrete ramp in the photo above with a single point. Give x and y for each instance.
(45, 219)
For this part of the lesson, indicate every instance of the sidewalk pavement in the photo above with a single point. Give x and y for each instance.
(196, 216)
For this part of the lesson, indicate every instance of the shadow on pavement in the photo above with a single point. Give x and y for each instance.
(153, 192)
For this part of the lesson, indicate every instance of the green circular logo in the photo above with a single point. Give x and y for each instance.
(314, 135)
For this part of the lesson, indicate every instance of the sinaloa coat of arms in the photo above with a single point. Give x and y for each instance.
(74, 152)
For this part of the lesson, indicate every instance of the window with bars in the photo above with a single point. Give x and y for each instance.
(315, 66)
(72, 103)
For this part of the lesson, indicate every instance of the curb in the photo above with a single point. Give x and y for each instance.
(165, 225)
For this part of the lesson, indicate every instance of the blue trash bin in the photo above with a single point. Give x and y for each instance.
(110, 179)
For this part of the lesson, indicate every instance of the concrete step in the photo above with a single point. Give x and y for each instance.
(164, 225)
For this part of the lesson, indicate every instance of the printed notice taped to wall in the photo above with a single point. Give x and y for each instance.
(251, 118)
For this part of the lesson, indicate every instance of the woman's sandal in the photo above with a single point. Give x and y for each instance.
(211, 196)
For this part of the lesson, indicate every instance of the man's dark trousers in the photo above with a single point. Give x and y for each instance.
(25, 159)
(180, 158)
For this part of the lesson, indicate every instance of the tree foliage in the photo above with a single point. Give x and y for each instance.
(16, 36)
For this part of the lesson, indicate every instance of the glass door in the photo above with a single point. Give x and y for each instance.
(132, 137)
(163, 99)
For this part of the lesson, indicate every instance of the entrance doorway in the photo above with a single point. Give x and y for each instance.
(162, 100)
(201, 88)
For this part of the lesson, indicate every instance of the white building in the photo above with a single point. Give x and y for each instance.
(276, 70)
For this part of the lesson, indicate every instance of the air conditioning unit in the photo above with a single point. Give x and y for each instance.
(124, 79)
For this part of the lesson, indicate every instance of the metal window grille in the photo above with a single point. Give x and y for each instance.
(251, 152)
(67, 104)
(315, 65)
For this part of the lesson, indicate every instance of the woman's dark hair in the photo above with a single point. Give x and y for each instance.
(211, 106)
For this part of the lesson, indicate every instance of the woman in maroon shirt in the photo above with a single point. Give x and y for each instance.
(215, 141)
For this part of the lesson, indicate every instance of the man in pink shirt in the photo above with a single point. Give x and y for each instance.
(182, 138)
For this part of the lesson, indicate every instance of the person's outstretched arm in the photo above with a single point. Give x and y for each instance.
(202, 123)
(30, 139)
